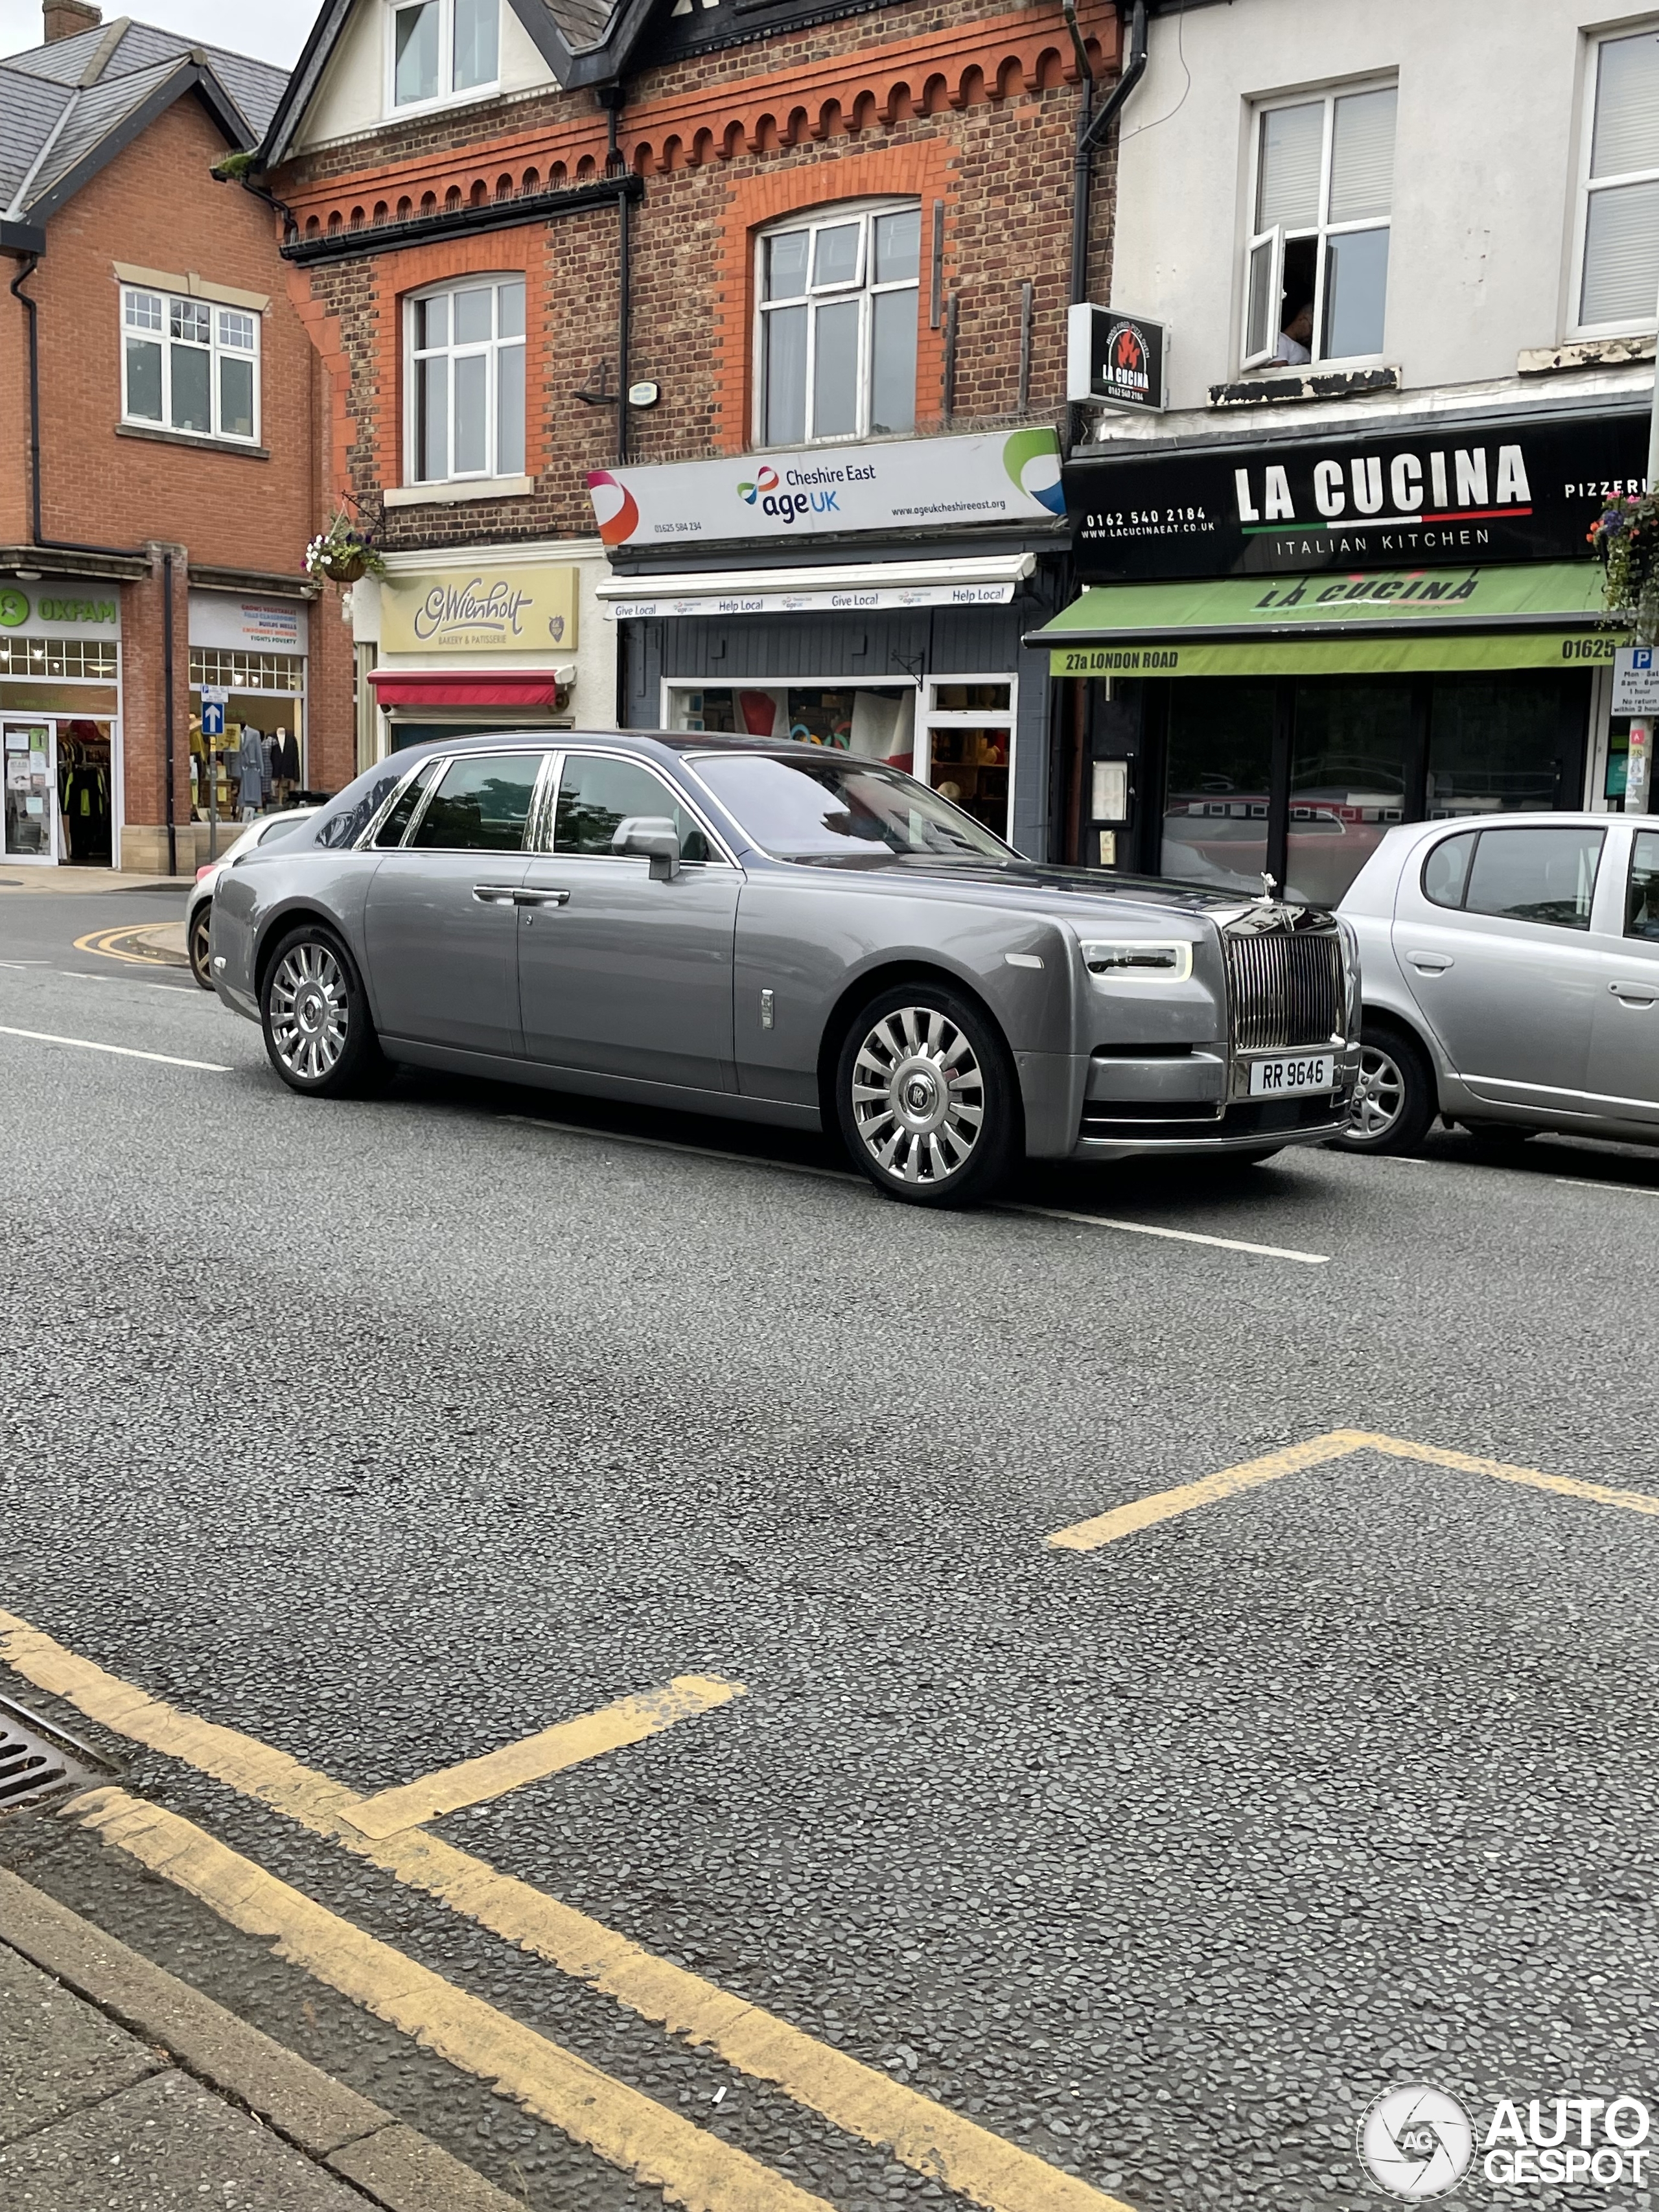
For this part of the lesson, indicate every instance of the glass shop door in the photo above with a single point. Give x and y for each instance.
(29, 749)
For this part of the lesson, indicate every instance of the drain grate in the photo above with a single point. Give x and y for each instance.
(37, 1760)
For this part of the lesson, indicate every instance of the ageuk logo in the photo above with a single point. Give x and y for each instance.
(1031, 458)
(615, 507)
(808, 491)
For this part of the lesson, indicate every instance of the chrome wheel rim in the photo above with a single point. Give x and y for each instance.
(918, 1096)
(1379, 1097)
(308, 1011)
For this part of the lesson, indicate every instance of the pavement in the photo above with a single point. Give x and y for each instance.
(560, 1608)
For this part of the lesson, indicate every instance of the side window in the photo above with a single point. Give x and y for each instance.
(1642, 898)
(1446, 871)
(598, 794)
(482, 805)
(390, 831)
(1545, 876)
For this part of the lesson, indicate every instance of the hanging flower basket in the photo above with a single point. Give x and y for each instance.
(1625, 537)
(343, 553)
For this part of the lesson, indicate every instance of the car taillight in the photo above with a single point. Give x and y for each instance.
(207, 871)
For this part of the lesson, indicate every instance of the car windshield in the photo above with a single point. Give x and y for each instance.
(841, 806)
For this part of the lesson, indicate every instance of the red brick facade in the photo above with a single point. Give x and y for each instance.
(156, 206)
(973, 107)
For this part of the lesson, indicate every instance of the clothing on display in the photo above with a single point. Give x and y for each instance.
(251, 771)
(83, 794)
(286, 757)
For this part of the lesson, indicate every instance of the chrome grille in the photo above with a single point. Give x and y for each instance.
(1285, 989)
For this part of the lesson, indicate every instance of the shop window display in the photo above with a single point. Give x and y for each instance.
(875, 720)
(1220, 765)
(969, 746)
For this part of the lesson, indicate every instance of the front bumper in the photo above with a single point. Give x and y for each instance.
(1144, 1117)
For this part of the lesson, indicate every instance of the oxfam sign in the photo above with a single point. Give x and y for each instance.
(65, 610)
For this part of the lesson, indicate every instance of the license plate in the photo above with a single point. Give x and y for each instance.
(1290, 1079)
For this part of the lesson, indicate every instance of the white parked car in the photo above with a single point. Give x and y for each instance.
(1510, 970)
(198, 907)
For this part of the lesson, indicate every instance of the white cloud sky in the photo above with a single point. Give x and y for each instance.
(274, 30)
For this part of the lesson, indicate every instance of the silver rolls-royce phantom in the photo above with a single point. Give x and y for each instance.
(782, 933)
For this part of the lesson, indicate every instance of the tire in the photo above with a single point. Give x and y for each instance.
(196, 944)
(927, 1098)
(315, 1016)
(1396, 1098)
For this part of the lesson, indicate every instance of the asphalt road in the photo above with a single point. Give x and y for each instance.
(391, 1434)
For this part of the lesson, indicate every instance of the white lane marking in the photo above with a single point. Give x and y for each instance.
(124, 1051)
(844, 1175)
(696, 1151)
(25, 963)
(1537, 1176)
(1180, 1235)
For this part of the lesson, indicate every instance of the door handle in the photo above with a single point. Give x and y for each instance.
(541, 898)
(1634, 994)
(1430, 963)
(492, 894)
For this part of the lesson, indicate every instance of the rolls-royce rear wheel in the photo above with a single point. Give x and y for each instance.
(927, 1098)
(315, 1016)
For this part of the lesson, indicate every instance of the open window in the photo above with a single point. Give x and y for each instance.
(1316, 259)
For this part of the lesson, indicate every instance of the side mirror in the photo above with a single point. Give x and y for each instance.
(654, 837)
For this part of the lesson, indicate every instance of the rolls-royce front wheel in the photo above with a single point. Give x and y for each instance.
(927, 1098)
(201, 925)
(316, 1019)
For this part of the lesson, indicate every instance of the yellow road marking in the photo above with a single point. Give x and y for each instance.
(864, 2102)
(1339, 1444)
(692, 2167)
(629, 1720)
(111, 944)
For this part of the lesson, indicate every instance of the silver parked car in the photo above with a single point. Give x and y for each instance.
(1511, 979)
(782, 933)
(198, 906)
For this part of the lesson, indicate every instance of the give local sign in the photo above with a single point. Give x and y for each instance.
(913, 484)
(465, 610)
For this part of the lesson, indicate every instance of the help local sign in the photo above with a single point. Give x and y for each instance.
(914, 484)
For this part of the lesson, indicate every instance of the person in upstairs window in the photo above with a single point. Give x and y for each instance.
(1295, 334)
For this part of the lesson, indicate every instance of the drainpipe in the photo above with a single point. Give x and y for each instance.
(1092, 129)
(610, 97)
(30, 309)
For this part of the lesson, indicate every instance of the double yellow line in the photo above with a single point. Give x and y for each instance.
(694, 2169)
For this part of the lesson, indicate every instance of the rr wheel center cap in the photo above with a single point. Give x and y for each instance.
(920, 1096)
(311, 1011)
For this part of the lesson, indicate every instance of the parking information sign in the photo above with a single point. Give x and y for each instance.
(1636, 680)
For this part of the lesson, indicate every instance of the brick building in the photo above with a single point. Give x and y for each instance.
(782, 284)
(162, 474)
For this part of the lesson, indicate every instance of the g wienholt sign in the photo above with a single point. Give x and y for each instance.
(1441, 492)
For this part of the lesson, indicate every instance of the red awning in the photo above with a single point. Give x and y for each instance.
(519, 688)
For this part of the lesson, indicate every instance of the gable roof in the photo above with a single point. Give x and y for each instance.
(68, 108)
(583, 42)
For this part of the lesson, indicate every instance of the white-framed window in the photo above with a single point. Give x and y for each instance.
(465, 381)
(190, 365)
(1317, 259)
(1616, 281)
(439, 50)
(838, 295)
(966, 751)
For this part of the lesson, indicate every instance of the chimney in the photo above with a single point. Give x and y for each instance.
(67, 19)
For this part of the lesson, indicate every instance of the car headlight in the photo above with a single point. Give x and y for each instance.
(1153, 960)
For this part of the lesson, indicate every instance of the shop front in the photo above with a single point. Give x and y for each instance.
(60, 720)
(456, 645)
(248, 719)
(884, 594)
(1282, 650)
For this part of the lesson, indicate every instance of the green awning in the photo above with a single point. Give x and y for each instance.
(1543, 614)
